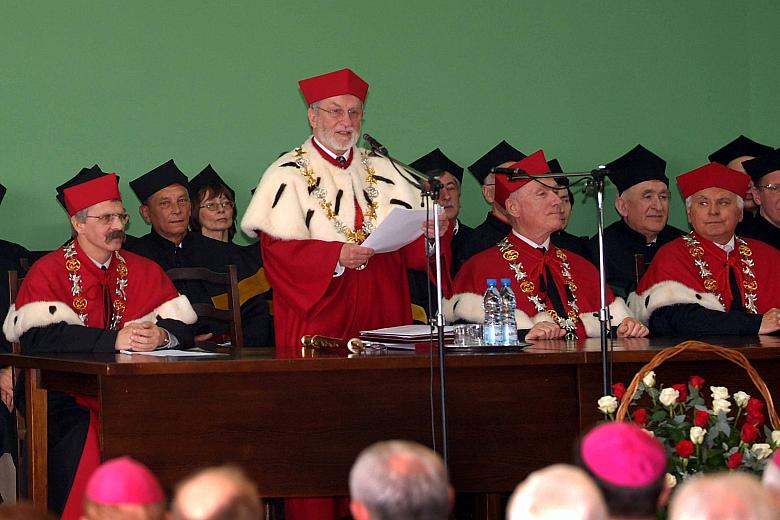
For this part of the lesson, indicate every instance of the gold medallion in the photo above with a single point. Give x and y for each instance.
(121, 269)
(511, 255)
(527, 287)
(696, 251)
(745, 250)
(119, 306)
(79, 303)
(72, 264)
(752, 285)
(711, 285)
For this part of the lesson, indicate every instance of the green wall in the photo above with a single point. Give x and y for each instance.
(131, 84)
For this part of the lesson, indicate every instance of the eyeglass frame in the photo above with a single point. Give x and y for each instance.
(773, 187)
(167, 205)
(221, 205)
(339, 113)
(108, 218)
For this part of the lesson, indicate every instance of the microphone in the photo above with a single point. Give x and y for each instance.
(509, 171)
(375, 145)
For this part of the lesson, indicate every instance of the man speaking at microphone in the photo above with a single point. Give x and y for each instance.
(313, 208)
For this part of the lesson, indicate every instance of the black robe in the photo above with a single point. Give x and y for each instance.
(761, 229)
(197, 250)
(621, 243)
(482, 237)
(573, 243)
(420, 285)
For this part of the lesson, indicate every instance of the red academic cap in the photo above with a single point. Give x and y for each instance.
(623, 454)
(91, 192)
(337, 83)
(123, 481)
(713, 175)
(534, 164)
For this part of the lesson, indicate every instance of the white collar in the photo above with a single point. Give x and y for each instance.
(545, 244)
(331, 154)
(728, 247)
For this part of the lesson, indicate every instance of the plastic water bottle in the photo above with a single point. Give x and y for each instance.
(508, 305)
(491, 304)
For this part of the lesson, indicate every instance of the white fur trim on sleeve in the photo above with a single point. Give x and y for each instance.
(618, 311)
(178, 308)
(37, 314)
(667, 293)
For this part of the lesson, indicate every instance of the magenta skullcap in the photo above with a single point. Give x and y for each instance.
(776, 459)
(623, 454)
(123, 481)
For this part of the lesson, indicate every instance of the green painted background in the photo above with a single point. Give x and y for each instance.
(131, 84)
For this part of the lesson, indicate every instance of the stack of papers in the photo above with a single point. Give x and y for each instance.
(406, 334)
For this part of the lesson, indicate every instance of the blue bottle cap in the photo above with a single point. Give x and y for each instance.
(506, 281)
(491, 281)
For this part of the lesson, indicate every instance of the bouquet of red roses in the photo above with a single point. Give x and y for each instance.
(700, 433)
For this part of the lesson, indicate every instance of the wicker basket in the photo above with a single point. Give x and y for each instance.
(734, 356)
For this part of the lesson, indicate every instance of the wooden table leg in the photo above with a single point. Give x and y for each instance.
(37, 437)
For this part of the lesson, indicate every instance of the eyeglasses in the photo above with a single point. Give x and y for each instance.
(167, 204)
(772, 188)
(106, 219)
(215, 206)
(355, 114)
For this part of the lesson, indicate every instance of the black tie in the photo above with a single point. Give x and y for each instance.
(552, 293)
(106, 298)
(736, 300)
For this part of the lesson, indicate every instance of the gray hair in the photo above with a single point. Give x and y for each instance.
(542, 496)
(689, 202)
(400, 480)
(722, 496)
(81, 215)
(217, 493)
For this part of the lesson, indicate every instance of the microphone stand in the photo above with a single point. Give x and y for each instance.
(595, 184)
(432, 192)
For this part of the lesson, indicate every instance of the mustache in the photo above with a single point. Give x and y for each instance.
(113, 235)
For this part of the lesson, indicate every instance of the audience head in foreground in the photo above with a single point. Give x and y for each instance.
(629, 466)
(771, 478)
(399, 480)
(722, 496)
(542, 496)
(123, 488)
(217, 493)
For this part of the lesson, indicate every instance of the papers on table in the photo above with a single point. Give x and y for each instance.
(172, 353)
(405, 333)
(399, 228)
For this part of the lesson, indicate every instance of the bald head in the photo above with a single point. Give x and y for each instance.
(722, 496)
(542, 497)
(399, 479)
(217, 493)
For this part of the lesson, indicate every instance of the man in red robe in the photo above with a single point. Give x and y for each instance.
(711, 281)
(92, 296)
(313, 208)
(557, 290)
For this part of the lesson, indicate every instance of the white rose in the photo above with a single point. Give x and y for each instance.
(649, 379)
(669, 397)
(697, 434)
(649, 432)
(761, 450)
(741, 398)
(608, 404)
(719, 392)
(776, 437)
(720, 405)
(671, 480)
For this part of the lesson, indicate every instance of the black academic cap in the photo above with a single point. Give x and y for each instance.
(499, 154)
(208, 177)
(637, 165)
(760, 166)
(2, 193)
(86, 174)
(161, 177)
(436, 160)
(555, 167)
(739, 147)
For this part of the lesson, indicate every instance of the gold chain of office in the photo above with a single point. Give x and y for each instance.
(352, 235)
(527, 287)
(750, 284)
(79, 303)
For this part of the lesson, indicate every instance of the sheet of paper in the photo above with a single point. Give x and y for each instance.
(399, 228)
(173, 353)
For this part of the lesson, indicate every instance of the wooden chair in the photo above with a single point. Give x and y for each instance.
(207, 310)
(14, 282)
(640, 266)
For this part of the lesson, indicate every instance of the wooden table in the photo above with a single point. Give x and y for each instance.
(296, 425)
